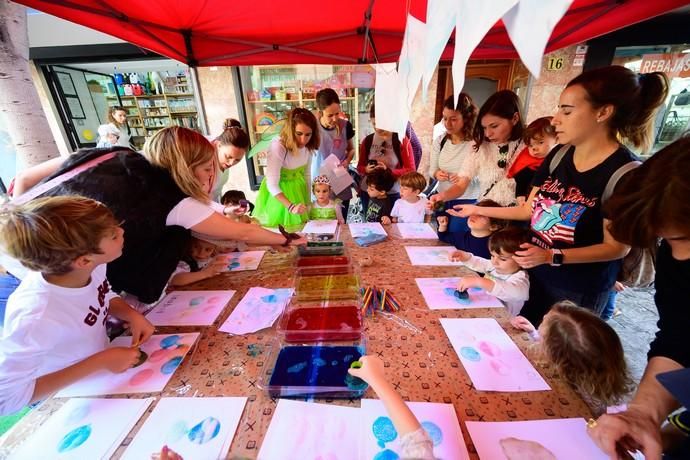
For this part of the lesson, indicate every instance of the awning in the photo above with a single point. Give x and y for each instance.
(221, 32)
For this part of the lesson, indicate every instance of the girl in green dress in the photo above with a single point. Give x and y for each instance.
(284, 195)
(324, 207)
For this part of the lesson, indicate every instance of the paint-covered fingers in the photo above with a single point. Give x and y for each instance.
(141, 328)
(166, 453)
(370, 370)
(118, 359)
(627, 431)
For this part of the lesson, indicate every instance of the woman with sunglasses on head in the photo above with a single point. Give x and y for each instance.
(284, 193)
(497, 141)
(571, 255)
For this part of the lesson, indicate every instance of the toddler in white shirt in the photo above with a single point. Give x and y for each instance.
(410, 208)
(503, 277)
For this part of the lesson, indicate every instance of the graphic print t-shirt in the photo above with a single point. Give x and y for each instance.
(566, 213)
(378, 208)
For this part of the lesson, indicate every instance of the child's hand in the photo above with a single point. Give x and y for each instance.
(522, 323)
(441, 175)
(454, 178)
(216, 266)
(371, 371)
(467, 282)
(460, 256)
(442, 223)
(166, 453)
(118, 359)
(140, 327)
(618, 286)
(381, 165)
(385, 220)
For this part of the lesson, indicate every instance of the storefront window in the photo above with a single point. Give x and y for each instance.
(269, 92)
(673, 118)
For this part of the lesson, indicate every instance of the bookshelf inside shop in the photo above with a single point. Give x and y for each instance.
(269, 92)
(147, 114)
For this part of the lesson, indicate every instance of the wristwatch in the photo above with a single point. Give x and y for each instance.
(557, 258)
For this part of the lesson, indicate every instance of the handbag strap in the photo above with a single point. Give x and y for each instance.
(45, 186)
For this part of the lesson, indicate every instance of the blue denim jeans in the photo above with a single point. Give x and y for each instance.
(610, 305)
(8, 284)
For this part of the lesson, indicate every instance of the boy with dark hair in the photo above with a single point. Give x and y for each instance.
(379, 183)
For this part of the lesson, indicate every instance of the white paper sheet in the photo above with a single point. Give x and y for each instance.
(439, 293)
(165, 353)
(258, 309)
(338, 176)
(474, 19)
(440, 22)
(366, 228)
(241, 261)
(300, 430)
(565, 439)
(529, 25)
(431, 255)
(416, 231)
(490, 357)
(411, 62)
(392, 113)
(321, 226)
(189, 308)
(83, 428)
(439, 420)
(195, 428)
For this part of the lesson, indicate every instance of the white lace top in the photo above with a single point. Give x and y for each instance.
(493, 183)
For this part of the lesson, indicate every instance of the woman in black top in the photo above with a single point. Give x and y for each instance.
(652, 202)
(571, 255)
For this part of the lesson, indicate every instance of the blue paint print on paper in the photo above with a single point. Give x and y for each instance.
(177, 431)
(169, 341)
(271, 298)
(312, 366)
(204, 431)
(387, 455)
(196, 301)
(74, 438)
(170, 366)
(384, 431)
(470, 354)
(434, 432)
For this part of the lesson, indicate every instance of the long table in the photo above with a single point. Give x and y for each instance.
(419, 359)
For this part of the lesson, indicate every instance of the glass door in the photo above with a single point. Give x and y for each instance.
(82, 99)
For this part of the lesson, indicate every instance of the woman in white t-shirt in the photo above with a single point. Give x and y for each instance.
(284, 193)
(158, 196)
(497, 141)
(450, 149)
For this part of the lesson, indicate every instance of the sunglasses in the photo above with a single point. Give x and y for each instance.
(503, 156)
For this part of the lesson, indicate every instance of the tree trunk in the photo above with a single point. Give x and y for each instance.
(19, 103)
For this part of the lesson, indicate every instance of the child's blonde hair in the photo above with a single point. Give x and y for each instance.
(179, 150)
(48, 234)
(413, 180)
(587, 352)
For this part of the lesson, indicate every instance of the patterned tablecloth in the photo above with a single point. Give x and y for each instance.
(418, 356)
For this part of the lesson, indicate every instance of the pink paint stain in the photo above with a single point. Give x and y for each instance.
(489, 348)
(499, 367)
(159, 355)
(207, 309)
(141, 377)
(214, 299)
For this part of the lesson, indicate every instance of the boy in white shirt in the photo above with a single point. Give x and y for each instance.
(54, 331)
(410, 208)
(503, 277)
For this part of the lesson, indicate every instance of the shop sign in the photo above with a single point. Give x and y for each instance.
(673, 65)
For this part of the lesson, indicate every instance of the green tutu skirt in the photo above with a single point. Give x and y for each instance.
(272, 212)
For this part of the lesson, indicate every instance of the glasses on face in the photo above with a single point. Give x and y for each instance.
(502, 156)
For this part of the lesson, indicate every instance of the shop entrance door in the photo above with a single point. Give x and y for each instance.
(481, 81)
(81, 99)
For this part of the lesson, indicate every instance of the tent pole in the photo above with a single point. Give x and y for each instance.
(367, 25)
(199, 100)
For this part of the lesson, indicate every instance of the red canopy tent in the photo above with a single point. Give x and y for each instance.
(218, 32)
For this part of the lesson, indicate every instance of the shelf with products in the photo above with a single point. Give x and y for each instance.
(148, 113)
